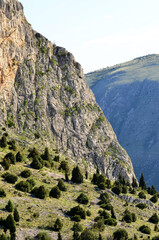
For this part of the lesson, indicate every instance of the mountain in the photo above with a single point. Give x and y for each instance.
(128, 94)
(43, 93)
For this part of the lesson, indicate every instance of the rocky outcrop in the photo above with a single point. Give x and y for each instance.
(128, 95)
(42, 90)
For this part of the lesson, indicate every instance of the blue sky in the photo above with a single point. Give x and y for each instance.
(99, 33)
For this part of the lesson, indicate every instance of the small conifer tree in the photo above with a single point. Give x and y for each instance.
(77, 176)
(19, 157)
(3, 142)
(10, 223)
(142, 183)
(9, 206)
(58, 225)
(16, 215)
(59, 236)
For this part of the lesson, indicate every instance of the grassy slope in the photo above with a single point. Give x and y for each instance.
(50, 208)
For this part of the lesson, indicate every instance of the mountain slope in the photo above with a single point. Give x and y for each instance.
(43, 93)
(128, 95)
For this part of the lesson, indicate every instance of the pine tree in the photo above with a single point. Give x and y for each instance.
(66, 176)
(10, 223)
(16, 215)
(142, 183)
(9, 206)
(3, 142)
(46, 155)
(100, 237)
(134, 182)
(77, 177)
(19, 157)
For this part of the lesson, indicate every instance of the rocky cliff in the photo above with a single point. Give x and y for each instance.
(42, 91)
(128, 95)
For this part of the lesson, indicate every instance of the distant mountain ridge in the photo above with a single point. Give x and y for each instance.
(128, 94)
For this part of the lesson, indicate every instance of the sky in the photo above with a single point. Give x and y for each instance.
(99, 33)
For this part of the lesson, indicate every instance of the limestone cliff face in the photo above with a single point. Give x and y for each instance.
(42, 90)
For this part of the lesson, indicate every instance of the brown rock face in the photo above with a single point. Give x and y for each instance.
(42, 89)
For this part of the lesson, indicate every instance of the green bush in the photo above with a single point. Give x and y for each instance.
(151, 190)
(117, 189)
(145, 229)
(26, 173)
(37, 163)
(104, 214)
(46, 156)
(64, 166)
(99, 225)
(120, 234)
(40, 192)
(110, 222)
(9, 206)
(77, 177)
(57, 158)
(102, 186)
(77, 211)
(154, 199)
(2, 193)
(58, 225)
(95, 178)
(108, 183)
(6, 164)
(76, 218)
(155, 238)
(142, 195)
(19, 157)
(154, 219)
(77, 227)
(61, 185)
(141, 205)
(23, 186)
(33, 153)
(12, 145)
(43, 236)
(10, 158)
(83, 199)
(31, 182)
(9, 177)
(87, 234)
(88, 213)
(55, 192)
(3, 142)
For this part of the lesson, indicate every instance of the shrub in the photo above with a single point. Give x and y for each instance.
(141, 205)
(104, 214)
(117, 189)
(77, 211)
(151, 190)
(33, 153)
(6, 164)
(12, 145)
(77, 177)
(120, 234)
(2, 193)
(43, 236)
(87, 234)
(46, 156)
(155, 238)
(154, 219)
(26, 173)
(64, 166)
(58, 225)
(154, 199)
(127, 216)
(9, 177)
(145, 229)
(61, 185)
(76, 218)
(3, 142)
(19, 157)
(40, 192)
(57, 158)
(83, 199)
(99, 225)
(31, 182)
(23, 186)
(101, 186)
(124, 189)
(9, 206)
(101, 179)
(16, 215)
(110, 222)
(108, 183)
(142, 195)
(37, 163)
(134, 218)
(55, 192)
(106, 206)
(95, 178)
(77, 227)
(88, 212)
(10, 158)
